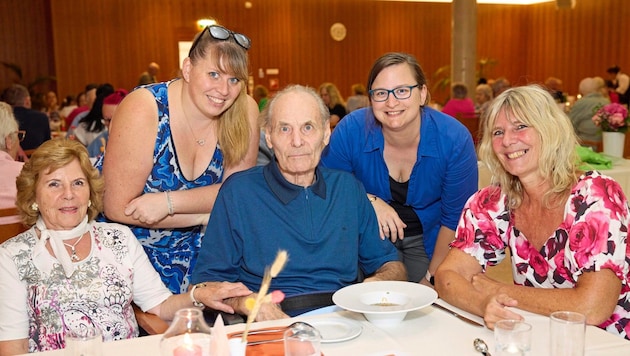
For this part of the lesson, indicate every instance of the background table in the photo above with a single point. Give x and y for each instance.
(620, 172)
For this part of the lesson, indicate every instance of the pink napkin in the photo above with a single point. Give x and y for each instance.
(219, 345)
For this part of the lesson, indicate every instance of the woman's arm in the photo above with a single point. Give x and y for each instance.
(13, 347)
(453, 282)
(460, 282)
(595, 295)
(211, 294)
(444, 238)
(129, 161)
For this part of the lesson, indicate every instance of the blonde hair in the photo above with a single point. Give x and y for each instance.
(234, 130)
(47, 158)
(8, 125)
(533, 106)
(333, 93)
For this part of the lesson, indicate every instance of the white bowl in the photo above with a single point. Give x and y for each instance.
(384, 303)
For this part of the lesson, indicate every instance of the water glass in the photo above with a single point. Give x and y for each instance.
(302, 339)
(86, 341)
(512, 337)
(567, 331)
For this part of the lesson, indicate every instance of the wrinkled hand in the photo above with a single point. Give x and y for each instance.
(214, 294)
(149, 208)
(496, 310)
(390, 224)
(270, 311)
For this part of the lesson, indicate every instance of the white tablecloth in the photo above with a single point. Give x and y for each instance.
(429, 331)
(620, 172)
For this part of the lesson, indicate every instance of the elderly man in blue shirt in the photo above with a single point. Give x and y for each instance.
(322, 217)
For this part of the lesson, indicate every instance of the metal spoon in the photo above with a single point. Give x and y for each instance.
(481, 347)
(271, 331)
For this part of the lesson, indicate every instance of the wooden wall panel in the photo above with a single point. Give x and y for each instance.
(114, 40)
(25, 35)
(578, 43)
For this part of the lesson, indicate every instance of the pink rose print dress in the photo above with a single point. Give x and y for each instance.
(592, 237)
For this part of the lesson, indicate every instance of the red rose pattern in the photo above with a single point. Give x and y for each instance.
(592, 237)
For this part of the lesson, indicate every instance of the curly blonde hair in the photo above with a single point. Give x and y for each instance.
(47, 158)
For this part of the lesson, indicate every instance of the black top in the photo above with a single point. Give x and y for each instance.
(36, 125)
(405, 212)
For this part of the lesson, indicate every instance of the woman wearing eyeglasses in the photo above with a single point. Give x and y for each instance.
(171, 144)
(418, 165)
(10, 139)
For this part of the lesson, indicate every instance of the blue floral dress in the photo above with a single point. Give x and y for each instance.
(173, 252)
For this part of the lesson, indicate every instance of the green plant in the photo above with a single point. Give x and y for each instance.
(17, 70)
(442, 76)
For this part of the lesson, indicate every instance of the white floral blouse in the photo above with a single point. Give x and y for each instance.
(38, 302)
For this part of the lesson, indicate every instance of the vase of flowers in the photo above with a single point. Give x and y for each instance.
(613, 120)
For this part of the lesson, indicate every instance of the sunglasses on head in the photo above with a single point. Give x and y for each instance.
(223, 34)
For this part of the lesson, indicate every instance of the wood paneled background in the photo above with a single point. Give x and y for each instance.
(113, 40)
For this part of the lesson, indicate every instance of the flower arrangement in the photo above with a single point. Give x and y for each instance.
(611, 117)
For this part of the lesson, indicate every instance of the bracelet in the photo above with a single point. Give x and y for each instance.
(430, 278)
(169, 204)
(195, 302)
(373, 198)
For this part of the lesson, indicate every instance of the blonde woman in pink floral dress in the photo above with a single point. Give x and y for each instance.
(567, 229)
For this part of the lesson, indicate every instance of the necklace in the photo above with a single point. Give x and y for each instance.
(74, 255)
(200, 141)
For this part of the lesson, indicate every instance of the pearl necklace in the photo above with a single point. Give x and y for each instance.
(74, 255)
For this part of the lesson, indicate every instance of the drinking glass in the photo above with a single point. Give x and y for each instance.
(86, 341)
(512, 337)
(567, 331)
(302, 339)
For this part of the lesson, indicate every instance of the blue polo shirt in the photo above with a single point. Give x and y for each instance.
(329, 230)
(444, 176)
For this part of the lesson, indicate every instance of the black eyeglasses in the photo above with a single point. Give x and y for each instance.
(400, 93)
(223, 34)
(21, 134)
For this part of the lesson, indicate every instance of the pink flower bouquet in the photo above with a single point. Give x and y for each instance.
(612, 118)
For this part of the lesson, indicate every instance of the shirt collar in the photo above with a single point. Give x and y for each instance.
(286, 191)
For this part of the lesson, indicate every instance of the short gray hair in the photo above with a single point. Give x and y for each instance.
(267, 114)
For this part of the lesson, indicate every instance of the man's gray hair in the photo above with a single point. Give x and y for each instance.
(267, 114)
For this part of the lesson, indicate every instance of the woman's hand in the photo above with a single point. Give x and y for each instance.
(390, 224)
(496, 310)
(149, 208)
(214, 294)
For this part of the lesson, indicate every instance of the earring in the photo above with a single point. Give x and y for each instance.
(34, 207)
(89, 203)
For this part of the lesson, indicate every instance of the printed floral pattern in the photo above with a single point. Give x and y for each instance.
(592, 237)
(99, 292)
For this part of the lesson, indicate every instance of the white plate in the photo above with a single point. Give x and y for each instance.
(366, 297)
(336, 329)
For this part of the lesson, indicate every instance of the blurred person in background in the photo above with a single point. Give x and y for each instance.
(34, 123)
(358, 99)
(150, 75)
(334, 101)
(110, 103)
(9, 168)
